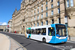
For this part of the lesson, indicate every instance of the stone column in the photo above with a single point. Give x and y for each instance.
(40, 8)
(35, 23)
(39, 23)
(39, 16)
(48, 21)
(55, 20)
(44, 6)
(70, 3)
(44, 22)
(74, 3)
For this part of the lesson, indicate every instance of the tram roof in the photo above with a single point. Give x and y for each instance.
(41, 26)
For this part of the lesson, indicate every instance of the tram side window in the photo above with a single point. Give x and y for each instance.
(28, 31)
(38, 31)
(51, 32)
(43, 31)
(34, 32)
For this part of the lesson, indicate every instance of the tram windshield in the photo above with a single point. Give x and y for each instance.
(61, 30)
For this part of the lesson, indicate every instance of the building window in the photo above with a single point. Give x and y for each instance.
(46, 14)
(58, 20)
(51, 5)
(68, 5)
(41, 15)
(46, 22)
(35, 9)
(31, 25)
(42, 10)
(38, 11)
(52, 21)
(41, 23)
(34, 24)
(58, 10)
(37, 24)
(58, 3)
(46, 8)
(51, 0)
(46, 3)
(34, 13)
(38, 7)
(37, 17)
(71, 1)
(52, 12)
(34, 18)
(42, 5)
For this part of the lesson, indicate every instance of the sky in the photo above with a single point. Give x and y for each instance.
(7, 8)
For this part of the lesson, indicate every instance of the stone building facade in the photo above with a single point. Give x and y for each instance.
(3, 28)
(43, 12)
(10, 25)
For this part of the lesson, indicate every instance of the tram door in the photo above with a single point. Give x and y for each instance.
(51, 33)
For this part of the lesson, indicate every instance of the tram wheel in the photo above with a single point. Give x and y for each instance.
(29, 37)
(44, 40)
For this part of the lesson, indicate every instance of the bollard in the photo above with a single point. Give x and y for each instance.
(69, 37)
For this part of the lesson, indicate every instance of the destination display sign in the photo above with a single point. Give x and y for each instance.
(60, 26)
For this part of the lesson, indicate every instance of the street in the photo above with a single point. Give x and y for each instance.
(30, 44)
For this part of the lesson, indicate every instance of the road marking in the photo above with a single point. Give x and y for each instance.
(33, 41)
(71, 41)
(52, 46)
(60, 47)
(23, 37)
(72, 49)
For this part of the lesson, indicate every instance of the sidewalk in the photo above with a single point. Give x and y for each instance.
(72, 39)
(7, 43)
(4, 42)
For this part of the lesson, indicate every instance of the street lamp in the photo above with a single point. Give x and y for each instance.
(66, 18)
(59, 14)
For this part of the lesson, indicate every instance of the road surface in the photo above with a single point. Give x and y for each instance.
(36, 45)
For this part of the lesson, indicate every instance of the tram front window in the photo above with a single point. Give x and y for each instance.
(60, 30)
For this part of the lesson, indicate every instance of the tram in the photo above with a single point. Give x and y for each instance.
(54, 33)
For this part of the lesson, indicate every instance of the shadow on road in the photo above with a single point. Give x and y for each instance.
(23, 46)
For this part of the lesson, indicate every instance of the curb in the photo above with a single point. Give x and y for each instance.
(19, 44)
(15, 42)
(71, 41)
(10, 42)
(17, 34)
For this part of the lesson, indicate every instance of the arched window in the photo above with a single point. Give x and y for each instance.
(46, 22)
(68, 5)
(37, 24)
(41, 23)
(71, 2)
(52, 21)
(34, 24)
